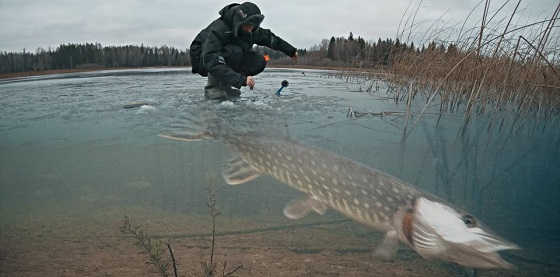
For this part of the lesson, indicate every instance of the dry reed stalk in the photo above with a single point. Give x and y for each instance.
(408, 108)
(548, 30)
(485, 14)
(541, 55)
(506, 28)
(501, 73)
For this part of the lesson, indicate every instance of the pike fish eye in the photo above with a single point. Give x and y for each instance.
(469, 220)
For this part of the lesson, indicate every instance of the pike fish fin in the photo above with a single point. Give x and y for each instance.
(389, 246)
(318, 207)
(299, 208)
(237, 171)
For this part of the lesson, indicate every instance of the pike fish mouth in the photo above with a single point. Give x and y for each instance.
(439, 231)
(482, 253)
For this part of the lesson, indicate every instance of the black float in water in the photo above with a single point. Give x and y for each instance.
(284, 84)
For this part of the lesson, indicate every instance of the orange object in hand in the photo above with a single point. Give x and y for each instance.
(266, 58)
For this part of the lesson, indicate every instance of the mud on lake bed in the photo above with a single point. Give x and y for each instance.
(90, 243)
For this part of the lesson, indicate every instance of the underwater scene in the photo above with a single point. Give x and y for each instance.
(135, 173)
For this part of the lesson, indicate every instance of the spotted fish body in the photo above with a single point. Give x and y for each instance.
(431, 227)
(364, 194)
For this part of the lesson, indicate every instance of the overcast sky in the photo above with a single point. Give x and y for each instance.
(48, 23)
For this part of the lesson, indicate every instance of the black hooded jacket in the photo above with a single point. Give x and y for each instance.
(207, 50)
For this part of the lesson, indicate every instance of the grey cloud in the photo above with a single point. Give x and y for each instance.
(41, 23)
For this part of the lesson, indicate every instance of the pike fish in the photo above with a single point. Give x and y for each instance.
(429, 225)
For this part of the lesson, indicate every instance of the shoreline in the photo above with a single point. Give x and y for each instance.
(319, 67)
(64, 71)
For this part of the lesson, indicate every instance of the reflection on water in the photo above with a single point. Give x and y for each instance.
(70, 152)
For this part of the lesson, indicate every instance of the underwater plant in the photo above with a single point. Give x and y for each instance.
(208, 268)
(152, 246)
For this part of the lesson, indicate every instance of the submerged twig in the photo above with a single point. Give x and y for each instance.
(172, 259)
(209, 268)
(232, 271)
(355, 114)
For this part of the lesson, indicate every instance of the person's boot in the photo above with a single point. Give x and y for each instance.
(213, 90)
(233, 92)
(217, 90)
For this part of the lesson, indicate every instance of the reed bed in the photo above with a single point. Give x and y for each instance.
(489, 67)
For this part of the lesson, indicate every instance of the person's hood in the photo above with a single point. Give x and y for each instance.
(236, 15)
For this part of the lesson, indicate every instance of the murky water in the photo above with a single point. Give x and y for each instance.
(68, 149)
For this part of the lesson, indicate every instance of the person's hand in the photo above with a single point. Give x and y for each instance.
(250, 82)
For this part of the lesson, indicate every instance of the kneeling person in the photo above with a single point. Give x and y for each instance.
(223, 50)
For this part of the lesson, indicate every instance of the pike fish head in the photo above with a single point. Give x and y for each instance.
(437, 230)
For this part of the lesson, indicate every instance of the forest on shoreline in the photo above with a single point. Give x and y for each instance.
(90, 56)
(336, 52)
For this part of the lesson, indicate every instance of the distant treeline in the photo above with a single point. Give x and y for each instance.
(357, 52)
(339, 51)
(89, 55)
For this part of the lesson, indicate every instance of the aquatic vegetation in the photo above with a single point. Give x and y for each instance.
(492, 66)
(208, 269)
(153, 247)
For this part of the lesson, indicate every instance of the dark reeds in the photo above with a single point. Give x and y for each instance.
(497, 68)
(493, 66)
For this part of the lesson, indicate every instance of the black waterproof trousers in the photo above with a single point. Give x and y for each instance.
(248, 63)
